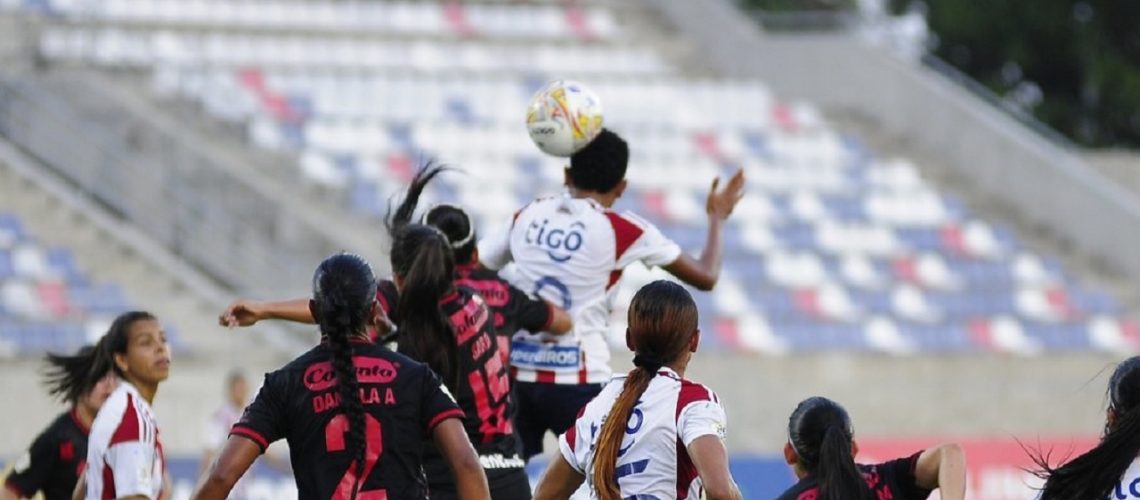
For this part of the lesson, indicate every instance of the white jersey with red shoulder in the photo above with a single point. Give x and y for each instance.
(654, 459)
(571, 252)
(124, 452)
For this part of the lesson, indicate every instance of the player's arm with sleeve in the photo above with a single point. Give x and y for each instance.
(495, 248)
(443, 420)
(260, 425)
(942, 467)
(704, 271)
(537, 315)
(701, 426)
(567, 470)
(31, 470)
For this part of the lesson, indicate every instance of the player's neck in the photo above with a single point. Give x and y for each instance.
(678, 367)
(84, 415)
(604, 199)
(147, 391)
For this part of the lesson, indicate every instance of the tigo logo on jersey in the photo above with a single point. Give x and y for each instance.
(560, 244)
(544, 357)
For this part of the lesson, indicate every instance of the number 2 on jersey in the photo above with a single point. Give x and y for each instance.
(373, 447)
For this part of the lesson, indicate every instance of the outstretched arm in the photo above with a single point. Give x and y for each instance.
(452, 442)
(248, 312)
(943, 467)
(559, 481)
(704, 271)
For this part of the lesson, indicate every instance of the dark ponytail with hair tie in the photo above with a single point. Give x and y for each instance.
(651, 364)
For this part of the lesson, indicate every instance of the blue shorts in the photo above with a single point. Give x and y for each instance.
(548, 407)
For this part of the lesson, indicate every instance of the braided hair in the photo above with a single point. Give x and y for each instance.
(344, 289)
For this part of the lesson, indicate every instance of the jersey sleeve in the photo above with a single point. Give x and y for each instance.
(132, 465)
(437, 402)
(574, 444)
(701, 418)
(495, 247)
(32, 469)
(642, 242)
(902, 471)
(534, 315)
(263, 421)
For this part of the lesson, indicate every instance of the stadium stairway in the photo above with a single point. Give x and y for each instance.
(151, 279)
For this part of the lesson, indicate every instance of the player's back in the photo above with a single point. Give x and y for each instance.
(403, 401)
(654, 461)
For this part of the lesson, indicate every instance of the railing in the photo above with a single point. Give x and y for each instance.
(226, 228)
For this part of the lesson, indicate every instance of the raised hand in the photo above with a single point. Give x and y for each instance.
(720, 204)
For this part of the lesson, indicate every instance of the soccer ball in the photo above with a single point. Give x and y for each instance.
(563, 117)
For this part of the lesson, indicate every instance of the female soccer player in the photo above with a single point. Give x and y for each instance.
(124, 450)
(571, 250)
(355, 414)
(821, 450)
(53, 464)
(1112, 468)
(651, 433)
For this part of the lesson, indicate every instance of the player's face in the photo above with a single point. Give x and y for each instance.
(148, 356)
(102, 390)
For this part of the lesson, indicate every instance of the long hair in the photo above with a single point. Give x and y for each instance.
(69, 377)
(422, 260)
(820, 432)
(1095, 473)
(662, 322)
(344, 289)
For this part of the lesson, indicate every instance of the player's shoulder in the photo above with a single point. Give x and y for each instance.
(629, 217)
(694, 392)
(62, 424)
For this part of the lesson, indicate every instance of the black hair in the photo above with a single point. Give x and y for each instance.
(422, 259)
(344, 290)
(1095, 473)
(821, 434)
(456, 226)
(662, 321)
(70, 377)
(601, 165)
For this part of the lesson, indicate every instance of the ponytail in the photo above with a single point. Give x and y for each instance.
(835, 470)
(613, 432)
(422, 260)
(70, 377)
(402, 215)
(662, 321)
(820, 433)
(1095, 473)
(344, 290)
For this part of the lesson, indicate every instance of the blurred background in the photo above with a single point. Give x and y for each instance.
(939, 228)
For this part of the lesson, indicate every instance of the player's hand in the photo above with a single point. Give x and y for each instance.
(241, 313)
(720, 204)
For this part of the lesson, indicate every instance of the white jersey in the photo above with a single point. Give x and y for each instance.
(124, 452)
(571, 252)
(654, 462)
(1129, 484)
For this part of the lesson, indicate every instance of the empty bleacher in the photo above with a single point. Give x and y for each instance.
(834, 248)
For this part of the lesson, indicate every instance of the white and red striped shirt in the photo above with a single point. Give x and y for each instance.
(571, 252)
(654, 459)
(124, 452)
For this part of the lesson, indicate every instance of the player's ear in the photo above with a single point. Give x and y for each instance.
(628, 340)
(120, 359)
(620, 188)
(854, 448)
(566, 177)
(475, 254)
(313, 310)
(790, 457)
(695, 341)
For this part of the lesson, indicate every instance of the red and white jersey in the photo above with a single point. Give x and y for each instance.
(124, 452)
(571, 252)
(654, 461)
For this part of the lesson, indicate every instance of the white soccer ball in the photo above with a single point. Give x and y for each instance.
(563, 117)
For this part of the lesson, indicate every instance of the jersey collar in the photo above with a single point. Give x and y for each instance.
(79, 423)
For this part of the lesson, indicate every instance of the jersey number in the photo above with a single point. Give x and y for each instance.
(490, 393)
(373, 447)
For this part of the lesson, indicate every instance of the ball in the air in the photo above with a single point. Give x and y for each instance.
(563, 117)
